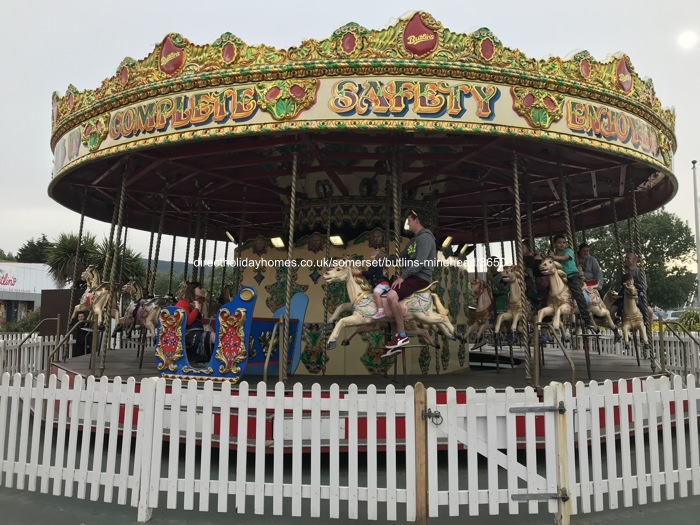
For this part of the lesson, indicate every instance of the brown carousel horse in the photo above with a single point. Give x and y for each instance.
(423, 306)
(94, 299)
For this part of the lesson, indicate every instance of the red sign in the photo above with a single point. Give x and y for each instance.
(171, 57)
(6, 280)
(418, 38)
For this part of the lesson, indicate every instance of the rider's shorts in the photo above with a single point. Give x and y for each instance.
(410, 285)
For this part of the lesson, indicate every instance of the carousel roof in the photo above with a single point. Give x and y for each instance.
(219, 130)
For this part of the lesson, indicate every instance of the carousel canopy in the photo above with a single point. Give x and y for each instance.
(217, 132)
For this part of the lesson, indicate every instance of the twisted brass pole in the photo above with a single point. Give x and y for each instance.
(396, 201)
(284, 350)
(643, 277)
(172, 268)
(71, 306)
(520, 275)
(161, 222)
(113, 286)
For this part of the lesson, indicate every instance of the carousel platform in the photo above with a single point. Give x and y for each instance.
(482, 372)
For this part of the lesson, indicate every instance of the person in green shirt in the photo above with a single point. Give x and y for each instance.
(499, 287)
(565, 256)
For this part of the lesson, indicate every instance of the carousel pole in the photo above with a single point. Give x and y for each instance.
(327, 294)
(238, 280)
(616, 233)
(150, 255)
(520, 272)
(643, 277)
(113, 275)
(197, 238)
(110, 246)
(396, 201)
(152, 283)
(187, 248)
(71, 306)
(223, 266)
(172, 267)
(697, 234)
(203, 255)
(485, 223)
(568, 224)
(211, 281)
(284, 350)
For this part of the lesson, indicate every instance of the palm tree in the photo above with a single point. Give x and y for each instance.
(61, 256)
(62, 261)
(129, 263)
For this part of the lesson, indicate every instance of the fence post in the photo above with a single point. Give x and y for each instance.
(420, 406)
(144, 441)
(563, 517)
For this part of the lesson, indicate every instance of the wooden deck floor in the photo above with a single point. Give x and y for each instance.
(125, 363)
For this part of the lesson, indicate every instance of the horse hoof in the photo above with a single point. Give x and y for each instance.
(345, 343)
(331, 345)
(458, 336)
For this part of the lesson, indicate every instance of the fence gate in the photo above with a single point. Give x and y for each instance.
(503, 451)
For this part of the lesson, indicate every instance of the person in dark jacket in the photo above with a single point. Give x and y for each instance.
(418, 262)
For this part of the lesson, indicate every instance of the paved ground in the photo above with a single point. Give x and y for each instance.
(29, 508)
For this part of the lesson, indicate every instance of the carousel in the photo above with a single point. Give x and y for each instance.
(318, 153)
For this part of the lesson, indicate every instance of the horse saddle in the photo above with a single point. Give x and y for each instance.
(427, 288)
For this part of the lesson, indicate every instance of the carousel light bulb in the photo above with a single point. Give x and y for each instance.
(336, 240)
(277, 242)
(464, 248)
(230, 237)
(447, 241)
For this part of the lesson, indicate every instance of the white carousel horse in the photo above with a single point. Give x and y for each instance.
(599, 307)
(423, 306)
(561, 302)
(484, 307)
(632, 319)
(94, 299)
(514, 311)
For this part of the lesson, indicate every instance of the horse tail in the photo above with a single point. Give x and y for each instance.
(439, 308)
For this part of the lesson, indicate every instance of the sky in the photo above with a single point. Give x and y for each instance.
(46, 46)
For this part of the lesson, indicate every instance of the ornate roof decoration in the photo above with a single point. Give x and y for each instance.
(416, 45)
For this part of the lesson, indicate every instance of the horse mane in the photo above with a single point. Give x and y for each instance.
(361, 281)
(561, 273)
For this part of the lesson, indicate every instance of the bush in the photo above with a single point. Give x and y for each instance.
(24, 325)
(690, 319)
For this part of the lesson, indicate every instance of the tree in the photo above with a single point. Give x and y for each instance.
(667, 247)
(62, 261)
(61, 256)
(34, 251)
(6, 256)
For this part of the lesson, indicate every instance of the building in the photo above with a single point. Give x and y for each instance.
(20, 288)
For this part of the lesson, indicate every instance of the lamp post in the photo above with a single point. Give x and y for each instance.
(697, 235)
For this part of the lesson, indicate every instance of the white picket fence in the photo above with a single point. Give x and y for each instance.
(351, 454)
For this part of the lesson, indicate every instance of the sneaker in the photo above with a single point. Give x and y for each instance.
(396, 342)
(379, 315)
(393, 351)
